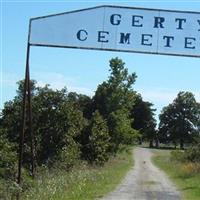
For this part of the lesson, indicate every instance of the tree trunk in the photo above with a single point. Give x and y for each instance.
(151, 143)
(157, 143)
(181, 144)
(140, 141)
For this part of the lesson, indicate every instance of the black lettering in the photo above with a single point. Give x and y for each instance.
(115, 21)
(102, 36)
(136, 20)
(180, 22)
(198, 23)
(80, 35)
(124, 38)
(145, 39)
(168, 40)
(188, 42)
(158, 22)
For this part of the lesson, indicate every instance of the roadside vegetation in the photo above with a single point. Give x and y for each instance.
(183, 167)
(83, 181)
(78, 139)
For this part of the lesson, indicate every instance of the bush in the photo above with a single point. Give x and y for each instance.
(8, 157)
(68, 156)
(193, 153)
(8, 189)
(190, 155)
(98, 140)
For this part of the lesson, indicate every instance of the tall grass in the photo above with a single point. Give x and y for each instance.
(84, 182)
(185, 175)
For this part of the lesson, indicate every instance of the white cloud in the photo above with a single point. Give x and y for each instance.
(163, 95)
(59, 81)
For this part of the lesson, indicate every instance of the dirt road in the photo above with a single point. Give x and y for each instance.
(144, 181)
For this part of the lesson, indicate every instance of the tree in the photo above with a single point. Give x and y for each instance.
(179, 120)
(114, 98)
(83, 103)
(57, 122)
(116, 93)
(142, 114)
(8, 157)
(96, 149)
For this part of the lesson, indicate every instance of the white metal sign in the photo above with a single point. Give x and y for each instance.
(117, 28)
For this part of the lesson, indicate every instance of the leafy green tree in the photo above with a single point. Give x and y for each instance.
(114, 99)
(116, 93)
(8, 157)
(83, 103)
(179, 120)
(57, 121)
(98, 140)
(142, 114)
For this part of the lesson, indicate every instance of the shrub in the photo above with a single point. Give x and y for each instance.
(68, 155)
(8, 189)
(193, 153)
(98, 140)
(8, 157)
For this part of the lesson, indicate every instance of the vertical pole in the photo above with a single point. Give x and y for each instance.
(24, 111)
(27, 108)
(30, 126)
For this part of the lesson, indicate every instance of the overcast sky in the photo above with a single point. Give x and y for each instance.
(159, 80)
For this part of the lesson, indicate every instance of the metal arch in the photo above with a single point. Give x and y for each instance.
(114, 6)
(115, 50)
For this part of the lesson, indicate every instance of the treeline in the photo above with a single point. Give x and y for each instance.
(69, 127)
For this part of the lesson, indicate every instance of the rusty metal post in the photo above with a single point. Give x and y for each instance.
(30, 126)
(27, 109)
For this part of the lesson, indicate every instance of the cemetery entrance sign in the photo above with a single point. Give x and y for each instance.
(110, 28)
(120, 29)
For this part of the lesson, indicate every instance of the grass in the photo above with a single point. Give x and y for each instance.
(187, 180)
(83, 182)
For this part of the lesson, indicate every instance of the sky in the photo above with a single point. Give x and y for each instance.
(159, 80)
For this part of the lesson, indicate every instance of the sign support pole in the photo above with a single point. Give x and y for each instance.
(26, 116)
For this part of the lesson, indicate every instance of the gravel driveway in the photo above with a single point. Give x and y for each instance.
(144, 181)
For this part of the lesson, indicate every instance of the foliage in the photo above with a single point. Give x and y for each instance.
(114, 98)
(82, 182)
(179, 120)
(116, 93)
(8, 158)
(56, 121)
(192, 154)
(142, 114)
(68, 156)
(82, 102)
(60, 123)
(8, 189)
(98, 140)
(121, 131)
